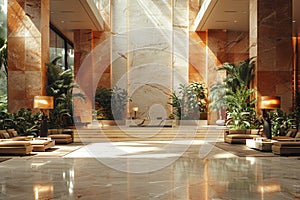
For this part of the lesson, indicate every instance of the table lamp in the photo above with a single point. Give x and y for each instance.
(135, 109)
(268, 103)
(44, 103)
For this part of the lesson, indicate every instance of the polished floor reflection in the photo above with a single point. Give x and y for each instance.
(149, 170)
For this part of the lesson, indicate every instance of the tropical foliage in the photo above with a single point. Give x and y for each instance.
(3, 74)
(235, 95)
(60, 86)
(282, 122)
(111, 103)
(189, 101)
(23, 121)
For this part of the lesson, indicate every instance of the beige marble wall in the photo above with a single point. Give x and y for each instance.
(150, 56)
(270, 42)
(28, 51)
(220, 46)
(83, 43)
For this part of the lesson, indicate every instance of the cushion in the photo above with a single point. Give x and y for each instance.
(1, 135)
(4, 135)
(12, 133)
(254, 131)
(297, 135)
(14, 143)
(291, 133)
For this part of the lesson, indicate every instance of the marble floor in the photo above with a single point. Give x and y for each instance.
(176, 170)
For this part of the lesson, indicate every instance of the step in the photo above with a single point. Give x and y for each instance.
(115, 133)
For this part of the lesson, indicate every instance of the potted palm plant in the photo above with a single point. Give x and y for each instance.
(235, 94)
(189, 102)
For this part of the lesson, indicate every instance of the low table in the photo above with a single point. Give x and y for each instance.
(260, 144)
(41, 144)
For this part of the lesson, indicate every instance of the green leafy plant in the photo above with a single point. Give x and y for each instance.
(281, 122)
(240, 108)
(189, 101)
(23, 121)
(3, 56)
(235, 95)
(60, 86)
(217, 98)
(111, 103)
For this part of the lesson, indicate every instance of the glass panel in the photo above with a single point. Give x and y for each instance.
(3, 55)
(59, 46)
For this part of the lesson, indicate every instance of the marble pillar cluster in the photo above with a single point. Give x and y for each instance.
(28, 51)
(271, 42)
(150, 43)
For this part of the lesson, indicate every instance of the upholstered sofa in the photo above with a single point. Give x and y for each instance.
(61, 136)
(288, 144)
(11, 137)
(291, 135)
(286, 148)
(240, 136)
(15, 147)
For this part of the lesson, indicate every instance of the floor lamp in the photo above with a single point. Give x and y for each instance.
(44, 103)
(267, 104)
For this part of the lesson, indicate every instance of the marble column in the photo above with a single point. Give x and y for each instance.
(271, 43)
(28, 51)
(223, 46)
(83, 61)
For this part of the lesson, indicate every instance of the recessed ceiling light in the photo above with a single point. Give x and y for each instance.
(62, 21)
(294, 21)
(235, 21)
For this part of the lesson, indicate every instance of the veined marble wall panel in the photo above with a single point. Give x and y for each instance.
(216, 41)
(194, 7)
(105, 12)
(197, 57)
(150, 56)
(273, 49)
(28, 51)
(149, 86)
(237, 46)
(119, 40)
(180, 42)
(145, 13)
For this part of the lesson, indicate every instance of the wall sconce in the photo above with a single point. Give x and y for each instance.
(135, 109)
(268, 103)
(44, 103)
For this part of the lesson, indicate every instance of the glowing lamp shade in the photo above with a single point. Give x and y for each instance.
(270, 102)
(43, 102)
(135, 109)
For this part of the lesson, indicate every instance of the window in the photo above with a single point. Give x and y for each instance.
(60, 46)
(3, 55)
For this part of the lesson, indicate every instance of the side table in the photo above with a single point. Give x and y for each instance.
(260, 144)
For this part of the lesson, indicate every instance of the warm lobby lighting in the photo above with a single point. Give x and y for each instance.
(135, 109)
(270, 102)
(43, 102)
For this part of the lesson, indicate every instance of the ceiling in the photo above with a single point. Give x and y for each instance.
(68, 15)
(233, 15)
